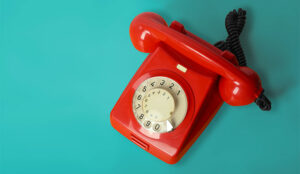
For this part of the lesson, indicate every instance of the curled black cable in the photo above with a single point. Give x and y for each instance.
(234, 23)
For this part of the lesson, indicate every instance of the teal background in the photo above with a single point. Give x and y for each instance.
(64, 64)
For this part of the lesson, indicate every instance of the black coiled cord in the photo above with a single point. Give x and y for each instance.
(235, 22)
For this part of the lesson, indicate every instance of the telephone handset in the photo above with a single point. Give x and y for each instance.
(238, 85)
(178, 89)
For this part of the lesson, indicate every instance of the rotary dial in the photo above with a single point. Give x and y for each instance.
(159, 104)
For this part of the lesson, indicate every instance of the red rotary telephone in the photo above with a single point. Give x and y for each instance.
(179, 88)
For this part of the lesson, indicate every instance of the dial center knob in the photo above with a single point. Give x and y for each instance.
(158, 104)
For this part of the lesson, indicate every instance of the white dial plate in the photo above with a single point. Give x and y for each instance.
(159, 104)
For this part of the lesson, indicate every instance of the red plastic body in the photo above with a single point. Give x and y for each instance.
(212, 76)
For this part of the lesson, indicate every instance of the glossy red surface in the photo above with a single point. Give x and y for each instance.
(211, 77)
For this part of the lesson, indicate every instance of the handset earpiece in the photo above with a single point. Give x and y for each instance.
(142, 36)
(237, 85)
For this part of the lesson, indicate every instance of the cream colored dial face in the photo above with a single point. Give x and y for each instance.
(159, 104)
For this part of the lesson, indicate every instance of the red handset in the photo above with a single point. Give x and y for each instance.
(238, 85)
(178, 89)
